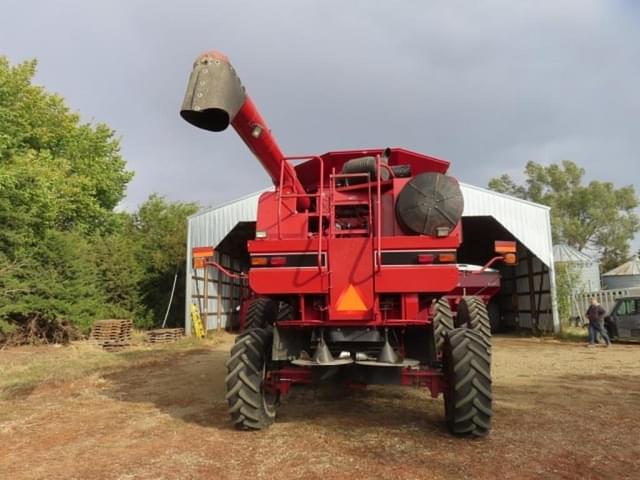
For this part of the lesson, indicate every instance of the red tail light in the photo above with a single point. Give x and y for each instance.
(426, 258)
(278, 261)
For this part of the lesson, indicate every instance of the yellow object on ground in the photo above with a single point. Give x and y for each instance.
(196, 322)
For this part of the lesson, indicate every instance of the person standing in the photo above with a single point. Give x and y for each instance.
(595, 314)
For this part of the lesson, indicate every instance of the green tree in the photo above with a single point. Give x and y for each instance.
(161, 235)
(596, 216)
(60, 180)
(64, 253)
(566, 278)
(59, 280)
(121, 273)
(73, 170)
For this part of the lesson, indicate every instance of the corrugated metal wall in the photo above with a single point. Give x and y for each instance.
(528, 222)
(208, 228)
(526, 299)
(621, 281)
(589, 277)
(582, 266)
(224, 294)
(585, 276)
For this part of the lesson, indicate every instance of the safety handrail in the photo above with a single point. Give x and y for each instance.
(318, 196)
(378, 255)
(375, 230)
(319, 204)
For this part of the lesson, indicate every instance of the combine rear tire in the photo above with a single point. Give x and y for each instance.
(473, 314)
(285, 311)
(261, 313)
(467, 399)
(442, 324)
(251, 407)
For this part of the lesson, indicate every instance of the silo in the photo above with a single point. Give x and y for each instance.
(626, 275)
(587, 270)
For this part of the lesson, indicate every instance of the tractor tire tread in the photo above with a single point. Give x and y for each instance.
(244, 396)
(442, 324)
(468, 398)
(474, 315)
(285, 311)
(261, 313)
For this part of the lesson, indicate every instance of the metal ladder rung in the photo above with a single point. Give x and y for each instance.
(351, 202)
(352, 231)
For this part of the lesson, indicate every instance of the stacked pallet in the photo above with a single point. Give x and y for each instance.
(111, 334)
(164, 335)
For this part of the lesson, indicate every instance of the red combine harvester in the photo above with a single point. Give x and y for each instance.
(353, 271)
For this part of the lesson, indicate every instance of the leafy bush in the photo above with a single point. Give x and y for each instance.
(65, 254)
(566, 278)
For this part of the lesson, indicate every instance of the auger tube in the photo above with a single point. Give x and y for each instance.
(215, 98)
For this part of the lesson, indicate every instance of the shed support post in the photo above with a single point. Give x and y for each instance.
(533, 314)
(205, 294)
(219, 320)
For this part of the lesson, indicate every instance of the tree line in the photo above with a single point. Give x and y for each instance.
(65, 251)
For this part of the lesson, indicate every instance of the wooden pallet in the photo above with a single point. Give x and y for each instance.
(111, 334)
(164, 335)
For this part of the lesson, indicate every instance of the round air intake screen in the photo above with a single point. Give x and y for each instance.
(430, 204)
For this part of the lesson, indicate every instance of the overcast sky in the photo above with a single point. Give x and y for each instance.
(487, 85)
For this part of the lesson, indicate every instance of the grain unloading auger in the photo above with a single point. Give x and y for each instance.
(353, 269)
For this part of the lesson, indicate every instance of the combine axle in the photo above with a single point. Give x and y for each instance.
(282, 380)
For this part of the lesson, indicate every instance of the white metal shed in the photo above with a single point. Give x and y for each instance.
(527, 296)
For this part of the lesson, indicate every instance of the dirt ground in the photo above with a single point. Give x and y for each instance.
(561, 411)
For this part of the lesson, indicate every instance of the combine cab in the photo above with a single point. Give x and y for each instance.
(353, 271)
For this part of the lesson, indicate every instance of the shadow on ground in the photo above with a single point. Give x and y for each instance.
(185, 385)
(190, 387)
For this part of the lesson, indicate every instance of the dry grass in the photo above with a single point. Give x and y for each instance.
(561, 411)
(23, 368)
(570, 333)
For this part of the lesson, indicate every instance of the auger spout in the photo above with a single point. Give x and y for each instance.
(215, 98)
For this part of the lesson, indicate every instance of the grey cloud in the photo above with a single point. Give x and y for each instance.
(488, 85)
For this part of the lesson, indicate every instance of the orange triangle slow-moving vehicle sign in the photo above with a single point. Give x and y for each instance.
(350, 301)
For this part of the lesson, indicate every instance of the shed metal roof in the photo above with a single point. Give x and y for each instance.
(209, 226)
(529, 222)
(565, 253)
(632, 267)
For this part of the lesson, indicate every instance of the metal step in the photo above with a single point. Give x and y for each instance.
(407, 362)
(301, 362)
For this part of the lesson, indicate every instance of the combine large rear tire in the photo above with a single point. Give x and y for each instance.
(442, 324)
(285, 311)
(251, 407)
(467, 399)
(472, 314)
(261, 313)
